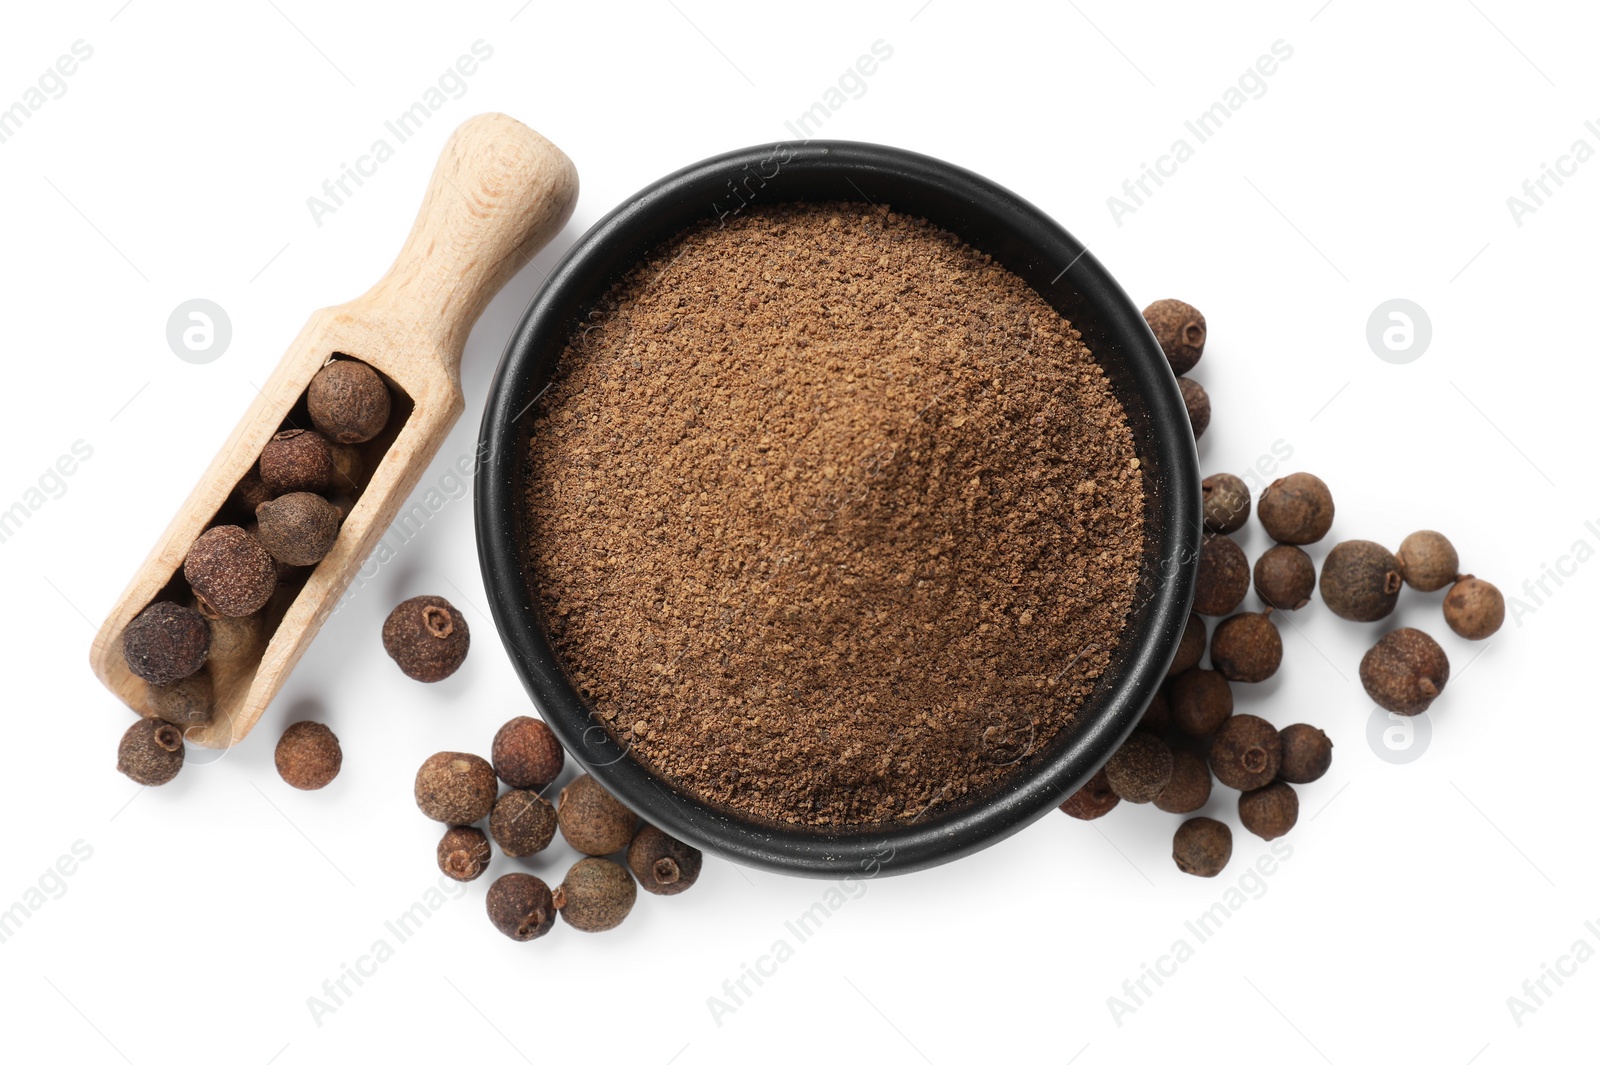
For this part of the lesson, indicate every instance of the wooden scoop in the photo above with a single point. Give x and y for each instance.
(499, 193)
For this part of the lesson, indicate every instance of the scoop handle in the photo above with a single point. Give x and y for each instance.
(499, 193)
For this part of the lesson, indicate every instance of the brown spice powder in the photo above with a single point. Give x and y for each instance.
(832, 518)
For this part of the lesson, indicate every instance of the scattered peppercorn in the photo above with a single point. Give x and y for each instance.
(455, 788)
(1094, 800)
(1202, 846)
(662, 865)
(166, 643)
(1405, 671)
(1361, 580)
(464, 853)
(426, 637)
(1246, 647)
(1474, 609)
(1140, 768)
(1189, 786)
(1225, 502)
(1190, 646)
(1223, 577)
(522, 822)
(188, 701)
(230, 570)
(526, 754)
(1246, 752)
(298, 529)
(150, 752)
(1201, 701)
(592, 819)
(1307, 753)
(1197, 403)
(1158, 715)
(1285, 577)
(308, 755)
(296, 460)
(348, 401)
(1297, 509)
(596, 895)
(1181, 332)
(1428, 560)
(521, 905)
(1269, 811)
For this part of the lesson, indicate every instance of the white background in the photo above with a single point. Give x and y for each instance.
(1377, 164)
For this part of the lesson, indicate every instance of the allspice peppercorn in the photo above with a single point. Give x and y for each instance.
(1307, 754)
(1202, 846)
(426, 637)
(150, 752)
(522, 822)
(1191, 646)
(296, 460)
(521, 905)
(348, 469)
(1405, 671)
(1269, 811)
(1197, 403)
(1361, 580)
(1140, 768)
(1297, 509)
(1246, 647)
(298, 529)
(166, 643)
(287, 574)
(1189, 786)
(1474, 609)
(456, 788)
(592, 819)
(348, 401)
(1224, 502)
(1094, 800)
(230, 571)
(236, 644)
(1201, 701)
(526, 754)
(1181, 332)
(1246, 752)
(185, 702)
(1284, 577)
(1428, 560)
(661, 864)
(1158, 715)
(308, 756)
(596, 895)
(344, 503)
(1223, 577)
(247, 495)
(464, 853)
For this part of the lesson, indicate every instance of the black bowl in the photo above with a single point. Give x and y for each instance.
(1027, 242)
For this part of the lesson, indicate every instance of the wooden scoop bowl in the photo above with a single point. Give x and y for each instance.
(499, 193)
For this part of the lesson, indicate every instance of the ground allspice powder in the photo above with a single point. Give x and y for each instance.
(831, 517)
